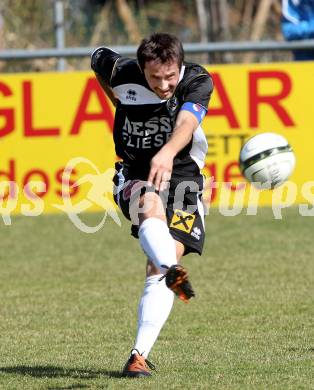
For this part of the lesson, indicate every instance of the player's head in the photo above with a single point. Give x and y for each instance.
(160, 47)
(160, 57)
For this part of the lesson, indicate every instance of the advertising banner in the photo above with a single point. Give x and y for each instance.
(57, 127)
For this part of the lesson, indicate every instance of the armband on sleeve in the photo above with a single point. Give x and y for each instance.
(196, 109)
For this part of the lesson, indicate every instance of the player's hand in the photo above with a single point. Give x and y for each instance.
(160, 169)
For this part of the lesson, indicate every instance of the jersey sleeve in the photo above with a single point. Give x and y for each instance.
(103, 62)
(199, 90)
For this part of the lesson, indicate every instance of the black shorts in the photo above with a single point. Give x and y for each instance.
(182, 202)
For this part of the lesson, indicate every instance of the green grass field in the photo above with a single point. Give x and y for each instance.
(69, 302)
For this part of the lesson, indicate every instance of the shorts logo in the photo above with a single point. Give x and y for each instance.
(196, 233)
(182, 220)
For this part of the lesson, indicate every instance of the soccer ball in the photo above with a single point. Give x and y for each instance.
(267, 160)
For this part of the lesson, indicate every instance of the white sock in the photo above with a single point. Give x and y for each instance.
(153, 311)
(157, 243)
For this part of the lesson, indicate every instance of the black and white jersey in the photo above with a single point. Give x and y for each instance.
(143, 121)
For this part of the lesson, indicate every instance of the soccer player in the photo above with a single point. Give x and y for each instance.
(160, 103)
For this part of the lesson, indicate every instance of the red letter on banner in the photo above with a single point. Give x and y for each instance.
(29, 129)
(232, 172)
(92, 86)
(210, 183)
(7, 113)
(272, 100)
(45, 181)
(226, 107)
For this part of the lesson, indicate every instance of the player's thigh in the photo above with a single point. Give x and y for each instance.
(127, 191)
(150, 206)
(136, 200)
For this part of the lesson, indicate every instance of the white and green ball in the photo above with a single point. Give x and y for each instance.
(267, 160)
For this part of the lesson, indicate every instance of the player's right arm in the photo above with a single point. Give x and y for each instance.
(103, 63)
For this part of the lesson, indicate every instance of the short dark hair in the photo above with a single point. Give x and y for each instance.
(160, 47)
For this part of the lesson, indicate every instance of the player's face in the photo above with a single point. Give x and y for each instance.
(162, 78)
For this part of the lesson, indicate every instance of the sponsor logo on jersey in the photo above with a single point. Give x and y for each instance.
(153, 133)
(182, 220)
(131, 95)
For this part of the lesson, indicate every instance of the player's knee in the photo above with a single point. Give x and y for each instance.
(148, 199)
(180, 249)
(151, 206)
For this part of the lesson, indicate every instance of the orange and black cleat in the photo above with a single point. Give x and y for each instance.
(177, 280)
(137, 366)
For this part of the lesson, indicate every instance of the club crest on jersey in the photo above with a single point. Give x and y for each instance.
(172, 104)
(131, 95)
